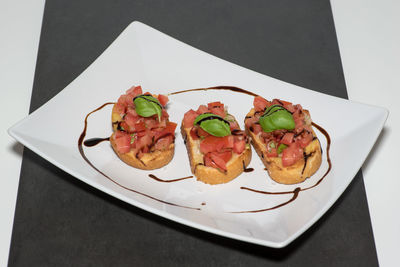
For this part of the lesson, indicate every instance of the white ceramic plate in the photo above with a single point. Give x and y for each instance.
(144, 56)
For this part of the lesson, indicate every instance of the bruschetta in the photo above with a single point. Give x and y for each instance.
(143, 137)
(218, 149)
(283, 137)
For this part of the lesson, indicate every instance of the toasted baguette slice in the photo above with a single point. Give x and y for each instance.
(148, 161)
(209, 175)
(295, 173)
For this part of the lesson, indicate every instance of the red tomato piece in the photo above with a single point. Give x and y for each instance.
(202, 109)
(193, 133)
(143, 141)
(215, 105)
(135, 90)
(209, 162)
(189, 118)
(119, 108)
(140, 126)
(219, 161)
(212, 143)
(151, 123)
(163, 143)
(201, 132)
(260, 103)
(218, 111)
(123, 142)
(226, 156)
(233, 125)
(287, 139)
(291, 155)
(239, 146)
(130, 120)
(257, 128)
(163, 99)
(272, 153)
(305, 140)
(168, 130)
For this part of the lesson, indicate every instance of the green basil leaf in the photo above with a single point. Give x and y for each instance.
(213, 124)
(216, 127)
(281, 147)
(203, 116)
(276, 118)
(147, 106)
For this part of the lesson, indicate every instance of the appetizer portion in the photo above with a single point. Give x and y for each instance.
(218, 149)
(143, 135)
(283, 137)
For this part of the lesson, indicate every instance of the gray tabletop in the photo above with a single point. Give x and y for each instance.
(60, 221)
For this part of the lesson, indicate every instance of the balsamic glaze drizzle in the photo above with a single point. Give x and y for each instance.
(169, 181)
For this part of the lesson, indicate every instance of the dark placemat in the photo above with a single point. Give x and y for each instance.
(60, 221)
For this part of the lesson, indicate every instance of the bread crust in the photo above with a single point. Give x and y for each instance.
(295, 173)
(148, 161)
(209, 175)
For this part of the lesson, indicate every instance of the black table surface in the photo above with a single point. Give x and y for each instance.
(60, 221)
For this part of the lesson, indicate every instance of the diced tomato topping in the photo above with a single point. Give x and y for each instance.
(169, 129)
(124, 125)
(217, 159)
(213, 143)
(130, 119)
(201, 132)
(260, 103)
(163, 143)
(142, 142)
(220, 162)
(193, 133)
(119, 134)
(163, 99)
(189, 118)
(257, 128)
(151, 123)
(226, 156)
(209, 162)
(139, 127)
(218, 111)
(119, 108)
(164, 114)
(132, 111)
(123, 142)
(272, 152)
(287, 139)
(216, 104)
(135, 90)
(202, 109)
(233, 125)
(239, 146)
(217, 108)
(305, 140)
(291, 155)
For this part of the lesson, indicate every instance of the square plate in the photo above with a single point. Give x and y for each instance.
(144, 56)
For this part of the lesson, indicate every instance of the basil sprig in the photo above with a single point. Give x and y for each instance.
(276, 117)
(213, 124)
(147, 106)
(281, 147)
